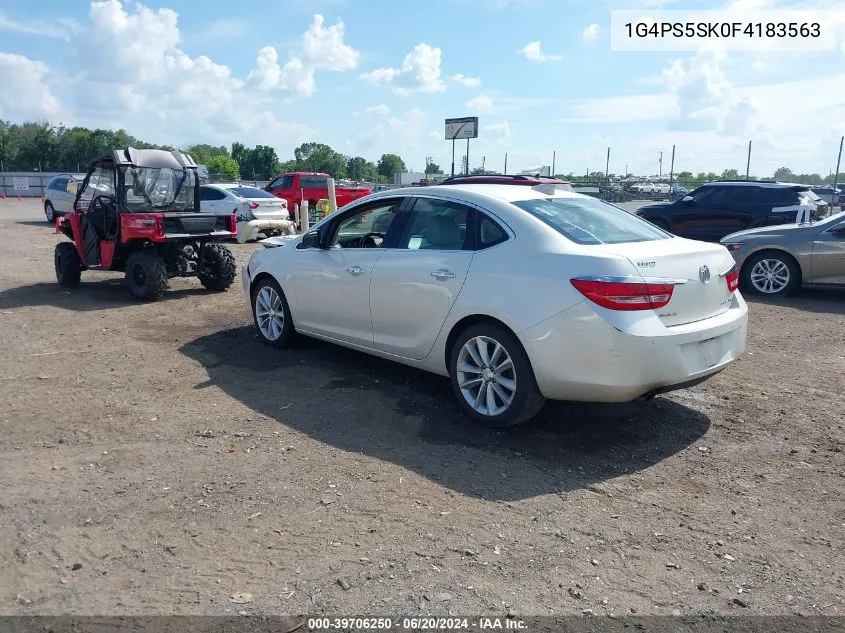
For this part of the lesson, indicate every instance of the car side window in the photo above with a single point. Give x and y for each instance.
(286, 182)
(367, 227)
(744, 196)
(58, 184)
(711, 196)
(276, 183)
(438, 225)
(207, 193)
(489, 232)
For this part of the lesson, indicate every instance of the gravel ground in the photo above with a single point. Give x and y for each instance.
(158, 459)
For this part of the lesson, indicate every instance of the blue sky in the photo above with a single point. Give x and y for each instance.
(376, 76)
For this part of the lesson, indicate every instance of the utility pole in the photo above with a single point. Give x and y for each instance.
(506, 163)
(483, 163)
(660, 166)
(838, 162)
(467, 157)
(626, 170)
(607, 167)
(672, 169)
(748, 162)
(554, 154)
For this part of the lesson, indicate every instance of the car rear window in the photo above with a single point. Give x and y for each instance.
(250, 192)
(313, 182)
(591, 221)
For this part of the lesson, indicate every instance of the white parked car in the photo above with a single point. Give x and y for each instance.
(516, 293)
(256, 210)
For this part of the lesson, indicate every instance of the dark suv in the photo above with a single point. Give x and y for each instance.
(506, 179)
(717, 209)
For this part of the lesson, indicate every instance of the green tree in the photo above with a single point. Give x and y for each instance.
(260, 162)
(359, 168)
(223, 166)
(390, 164)
(203, 153)
(784, 174)
(730, 174)
(322, 158)
(433, 168)
(684, 176)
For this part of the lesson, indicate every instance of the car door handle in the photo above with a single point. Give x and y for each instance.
(355, 270)
(442, 274)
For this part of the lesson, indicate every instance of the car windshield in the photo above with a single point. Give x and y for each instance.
(591, 221)
(163, 189)
(250, 192)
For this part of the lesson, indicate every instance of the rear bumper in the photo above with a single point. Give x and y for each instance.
(577, 355)
(250, 230)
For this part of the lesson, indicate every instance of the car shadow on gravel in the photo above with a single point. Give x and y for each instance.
(103, 294)
(807, 300)
(360, 403)
(41, 224)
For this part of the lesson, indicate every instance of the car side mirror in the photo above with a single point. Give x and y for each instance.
(312, 239)
(687, 199)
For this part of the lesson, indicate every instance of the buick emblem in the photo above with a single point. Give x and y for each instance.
(704, 274)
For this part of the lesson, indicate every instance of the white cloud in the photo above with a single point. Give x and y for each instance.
(627, 109)
(148, 84)
(590, 33)
(408, 135)
(500, 130)
(322, 48)
(294, 77)
(24, 93)
(470, 82)
(534, 52)
(481, 103)
(420, 72)
(379, 110)
(60, 27)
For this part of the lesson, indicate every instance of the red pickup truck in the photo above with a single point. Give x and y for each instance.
(313, 187)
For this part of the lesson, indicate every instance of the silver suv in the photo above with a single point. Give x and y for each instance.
(60, 194)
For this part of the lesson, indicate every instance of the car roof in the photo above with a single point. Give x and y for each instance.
(503, 192)
(753, 183)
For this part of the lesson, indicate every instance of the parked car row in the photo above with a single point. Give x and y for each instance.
(717, 209)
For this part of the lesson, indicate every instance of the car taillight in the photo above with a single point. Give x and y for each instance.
(732, 278)
(624, 295)
(233, 224)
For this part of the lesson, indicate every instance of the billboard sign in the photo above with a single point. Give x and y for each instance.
(466, 127)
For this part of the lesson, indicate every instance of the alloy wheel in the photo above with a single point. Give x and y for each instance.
(486, 376)
(770, 276)
(269, 313)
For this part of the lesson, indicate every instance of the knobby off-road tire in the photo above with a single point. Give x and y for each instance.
(146, 275)
(219, 269)
(502, 349)
(68, 266)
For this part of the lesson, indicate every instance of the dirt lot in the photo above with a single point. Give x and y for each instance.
(157, 458)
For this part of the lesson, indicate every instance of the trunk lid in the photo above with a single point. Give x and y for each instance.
(268, 207)
(700, 297)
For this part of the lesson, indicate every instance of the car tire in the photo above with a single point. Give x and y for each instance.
(525, 397)
(785, 279)
(50, 212)
(68, 265)
(271, 314)
(146, 275)
(219, 270)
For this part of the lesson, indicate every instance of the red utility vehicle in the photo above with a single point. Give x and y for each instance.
(313, 187)
(138, 211)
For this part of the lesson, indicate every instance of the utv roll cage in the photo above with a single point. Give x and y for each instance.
(139, 159)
